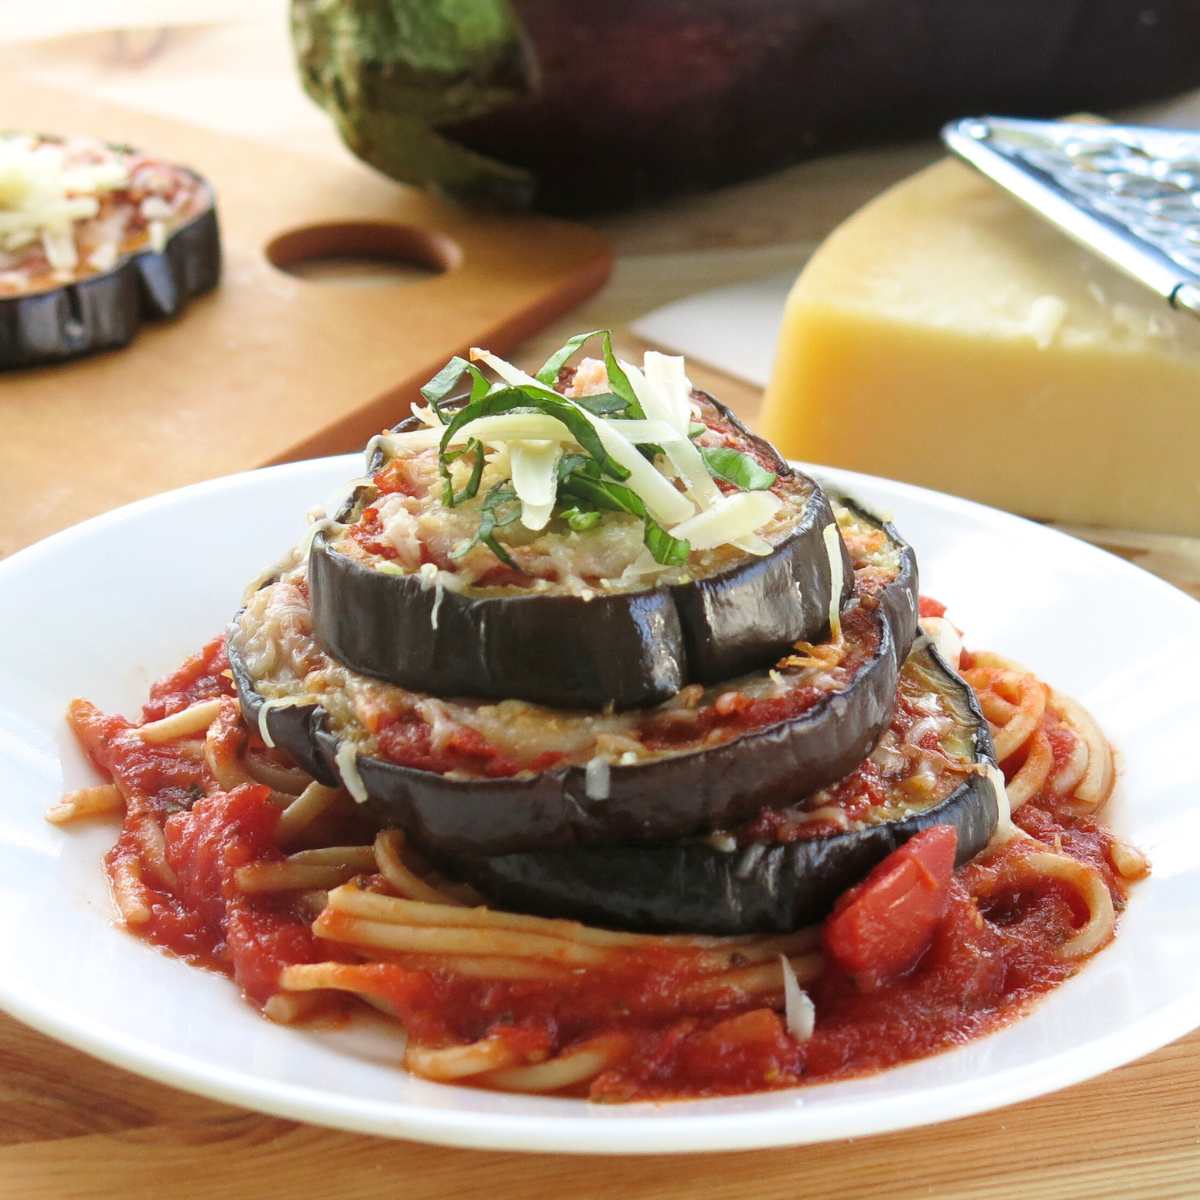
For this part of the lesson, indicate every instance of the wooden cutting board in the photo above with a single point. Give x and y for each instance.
(271, 366)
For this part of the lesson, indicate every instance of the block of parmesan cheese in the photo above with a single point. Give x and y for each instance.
(946, 336)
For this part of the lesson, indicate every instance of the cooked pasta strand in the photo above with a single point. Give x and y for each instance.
(195, 719)
(303, 811)
(362, 857)
(286, 1008)
(289, 876)
(290, 781)
(130, 893)
(377, 907)
(749, 981)
(154, 852)
(458, 1062)
(1034, 772)
(1097, 782)
(104, 800)
(1090, 885)
(393, 868)
(1012, 729)
(430, 939)
(576, 1066)
(1129, 861)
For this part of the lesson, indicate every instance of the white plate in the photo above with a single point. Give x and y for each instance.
(102, 609)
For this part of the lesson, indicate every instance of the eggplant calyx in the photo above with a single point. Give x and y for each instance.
(391, 72)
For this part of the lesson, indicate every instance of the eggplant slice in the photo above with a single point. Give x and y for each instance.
(105, 311)
(628, 649)
(665, 798)
(695, 887)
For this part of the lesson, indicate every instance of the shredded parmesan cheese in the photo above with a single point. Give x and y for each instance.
(534, 467)
(269, 706)
(945, 639)
(346, 761)
(731, 517)
(833, 548)
(1006, 831)
(597, 776)
(800, 1014)
(438, 593)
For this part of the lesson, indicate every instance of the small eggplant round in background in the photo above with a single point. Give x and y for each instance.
(103, 310)
(669, 796)
(697, 887)
(629, 649)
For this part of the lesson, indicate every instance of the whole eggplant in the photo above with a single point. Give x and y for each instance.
(582, 107)
(696, 887)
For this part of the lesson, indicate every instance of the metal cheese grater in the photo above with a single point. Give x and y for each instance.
(1128, 193)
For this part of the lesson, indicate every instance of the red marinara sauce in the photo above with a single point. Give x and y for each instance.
(991, 951)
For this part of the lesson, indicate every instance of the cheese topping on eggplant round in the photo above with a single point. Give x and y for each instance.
(605, 478)
(921, 758)
(463, 738)
(73, 207)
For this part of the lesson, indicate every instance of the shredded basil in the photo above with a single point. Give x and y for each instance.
(742, 470)
(449, 496)
(695, 429)
(580, 519)
(500, 507)
(604, 404)
(671, 551)
(585, 485)
(618, 381)
(534, 399)
(438, 389)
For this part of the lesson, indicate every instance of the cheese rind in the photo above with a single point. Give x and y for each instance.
(946, 336)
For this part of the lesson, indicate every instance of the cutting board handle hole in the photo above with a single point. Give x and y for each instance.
(363, 253)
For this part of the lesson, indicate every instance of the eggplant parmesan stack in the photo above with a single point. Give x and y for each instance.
(595, 649)
(93, 239)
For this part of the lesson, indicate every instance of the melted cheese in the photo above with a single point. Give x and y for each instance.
(43, 195)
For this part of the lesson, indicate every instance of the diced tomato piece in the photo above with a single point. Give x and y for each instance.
(880, 928)
(931, 607)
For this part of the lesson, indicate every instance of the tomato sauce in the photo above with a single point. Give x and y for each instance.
(989, 953)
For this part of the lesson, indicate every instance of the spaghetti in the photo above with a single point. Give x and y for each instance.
(232, 857)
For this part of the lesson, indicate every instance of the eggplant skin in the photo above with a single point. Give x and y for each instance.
(105, 311)
(629, 650)
(586, 107)
(663, 799)
(696, 888)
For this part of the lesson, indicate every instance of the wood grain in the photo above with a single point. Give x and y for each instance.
(1133, 1133)
(72, 1127)
(270, 367)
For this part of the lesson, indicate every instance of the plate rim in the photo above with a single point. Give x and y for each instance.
(626, 1130)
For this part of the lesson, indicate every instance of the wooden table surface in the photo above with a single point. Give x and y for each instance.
(71, 1126)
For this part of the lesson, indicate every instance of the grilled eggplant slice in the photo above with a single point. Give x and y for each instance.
(628, 647)
(684, 789)
(44, 319)
(747, 883)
